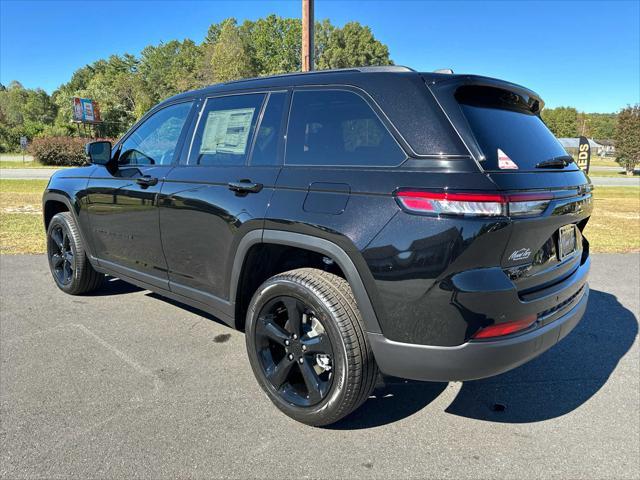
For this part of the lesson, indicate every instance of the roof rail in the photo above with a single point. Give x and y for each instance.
(371, 69)
(385, 68)
(448, 71)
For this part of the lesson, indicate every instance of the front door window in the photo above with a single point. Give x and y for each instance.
(154, 141)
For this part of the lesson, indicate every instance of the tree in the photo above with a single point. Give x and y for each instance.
(63, 96)
(628, 138)
(602, 126)
(562, 121)
(169, 68)
(39, 107)
(322, 33)
(274, 44)
(114, 84)
(126, 86)
(351, 46)
(23, 112)
(230, 58)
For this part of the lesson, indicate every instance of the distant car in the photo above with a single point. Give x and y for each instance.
(425, 225)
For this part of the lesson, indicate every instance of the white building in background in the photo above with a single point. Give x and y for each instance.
(601, 149)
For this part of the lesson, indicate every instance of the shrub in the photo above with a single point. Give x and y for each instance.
(628, 138)
(60, 151)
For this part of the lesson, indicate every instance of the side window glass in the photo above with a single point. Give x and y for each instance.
(154, 141)
(337, 127)
(225, 130)
(265, 149)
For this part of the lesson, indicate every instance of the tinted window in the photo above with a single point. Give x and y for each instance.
(504, 120)
(335, 127)
(154, 141)
(265, 150)
(225, 130)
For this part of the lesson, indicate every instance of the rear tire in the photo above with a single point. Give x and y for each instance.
(68, 262)
(303, 331)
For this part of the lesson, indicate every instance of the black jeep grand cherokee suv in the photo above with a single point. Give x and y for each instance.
(427, 225)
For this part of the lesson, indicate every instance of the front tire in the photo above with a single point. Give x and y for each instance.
(307, 346)
(68, 260)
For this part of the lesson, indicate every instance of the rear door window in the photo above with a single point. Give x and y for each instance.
(504, 124)
(225, 130)
(265, 148)
(338, 128)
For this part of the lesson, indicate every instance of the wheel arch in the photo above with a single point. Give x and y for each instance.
(54, 202)
(309, 243)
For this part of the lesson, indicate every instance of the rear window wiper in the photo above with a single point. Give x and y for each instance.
(556, 162)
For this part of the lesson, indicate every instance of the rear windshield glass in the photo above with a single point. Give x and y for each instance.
(504, 125)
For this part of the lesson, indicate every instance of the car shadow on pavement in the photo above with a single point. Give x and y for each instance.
(393, 399)
(113, 286)
(552, 385)
(189, 308)
(561, 379)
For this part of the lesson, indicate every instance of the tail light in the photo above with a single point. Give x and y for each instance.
(474, 204)
(505, 328)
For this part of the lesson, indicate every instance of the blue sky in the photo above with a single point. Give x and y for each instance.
(583, 54)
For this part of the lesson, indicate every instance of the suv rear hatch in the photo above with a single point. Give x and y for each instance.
(500, 124)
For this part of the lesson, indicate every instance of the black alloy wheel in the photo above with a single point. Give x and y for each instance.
(68, 260)
(61, 254)
(295, 351)
(307, 346)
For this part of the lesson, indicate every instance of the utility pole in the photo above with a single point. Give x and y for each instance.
(307, 35)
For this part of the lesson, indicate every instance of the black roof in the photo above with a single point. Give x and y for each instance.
(398, 91)
(315, 77)
(344, 76)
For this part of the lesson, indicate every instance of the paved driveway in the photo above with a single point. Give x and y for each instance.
(616, 182)
(124, 384)
(27, 173)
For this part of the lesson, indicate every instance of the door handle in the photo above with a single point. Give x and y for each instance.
(147, 181)
(245, 186)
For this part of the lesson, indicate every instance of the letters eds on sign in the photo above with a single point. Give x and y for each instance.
(584, 154)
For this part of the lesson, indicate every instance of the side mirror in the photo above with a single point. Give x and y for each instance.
(98, 153)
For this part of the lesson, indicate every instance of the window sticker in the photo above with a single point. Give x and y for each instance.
(504, 162)
(227, 131)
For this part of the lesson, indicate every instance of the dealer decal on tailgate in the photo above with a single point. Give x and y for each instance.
(504, 162)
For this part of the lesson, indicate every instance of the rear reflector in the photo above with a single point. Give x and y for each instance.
(474, 204)
(506, 328)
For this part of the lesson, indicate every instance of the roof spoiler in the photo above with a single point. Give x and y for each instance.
(453, 83)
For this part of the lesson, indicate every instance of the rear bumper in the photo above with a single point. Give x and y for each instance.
(474, 359)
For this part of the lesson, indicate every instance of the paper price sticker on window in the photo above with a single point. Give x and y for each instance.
(504, 162)
(227, 131)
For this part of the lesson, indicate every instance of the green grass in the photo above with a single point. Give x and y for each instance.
(20, 164)
(11, 160)
(614, 225)
(612, 173)
(21, 229)
(607, 162)
(604, 162)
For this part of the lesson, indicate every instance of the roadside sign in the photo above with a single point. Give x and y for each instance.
(86, 110)
(584, 154)
(23, 146)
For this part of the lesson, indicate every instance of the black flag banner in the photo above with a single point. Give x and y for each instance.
(584, 154)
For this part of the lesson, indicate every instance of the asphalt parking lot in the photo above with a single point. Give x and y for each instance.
(126, 384)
